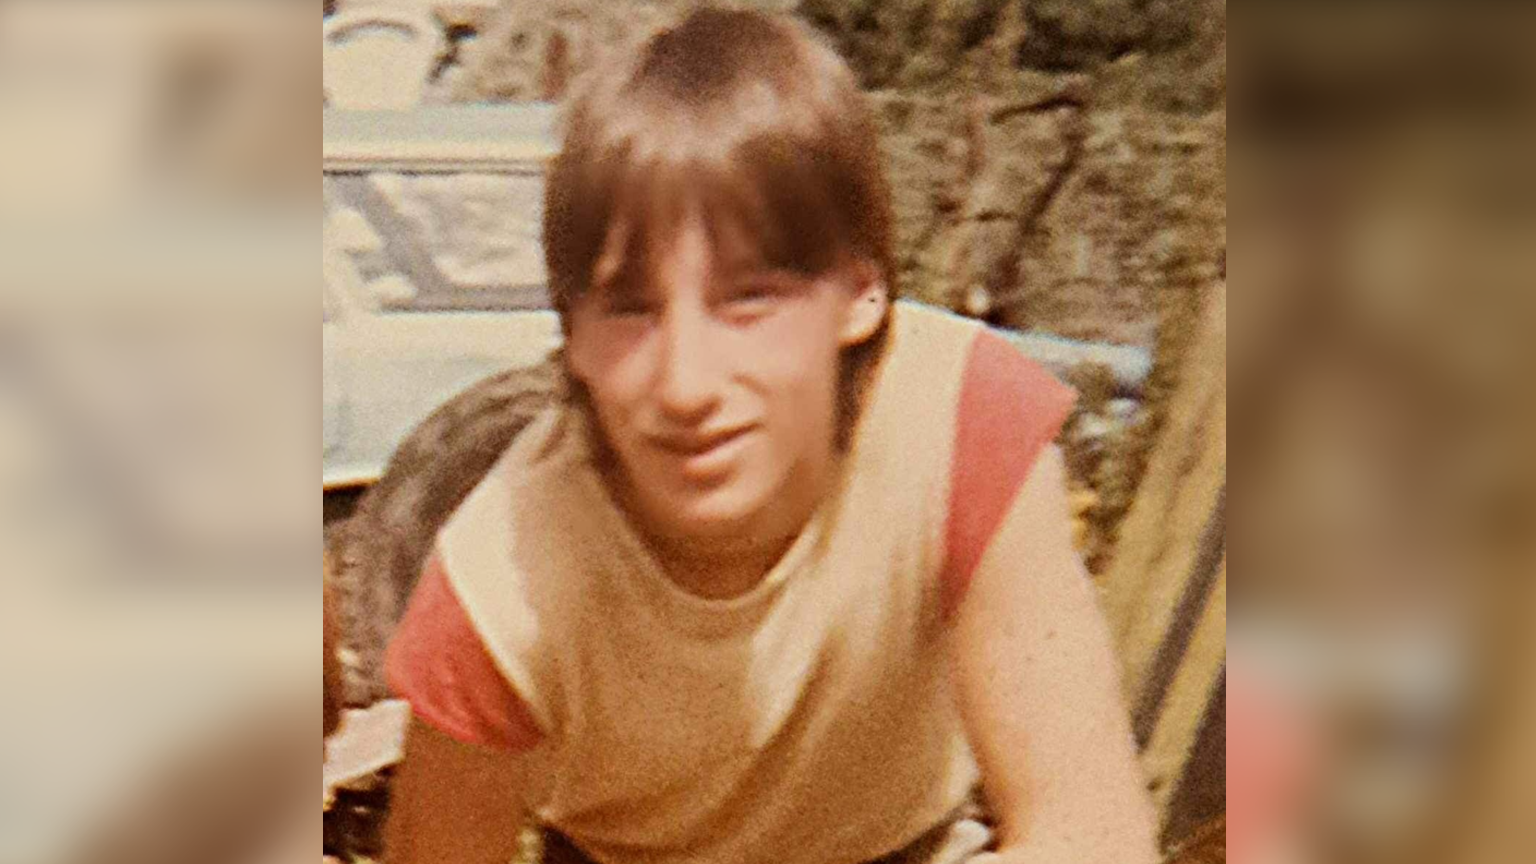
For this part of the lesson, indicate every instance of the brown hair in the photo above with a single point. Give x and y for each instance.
(749, 116)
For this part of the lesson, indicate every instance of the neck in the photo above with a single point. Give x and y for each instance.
(732, 563)
(720, 571)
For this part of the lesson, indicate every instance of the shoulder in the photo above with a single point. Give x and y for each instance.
(1009, 410)
(1001, 406)
(529, 477)
(1007, 398)
(439, 662)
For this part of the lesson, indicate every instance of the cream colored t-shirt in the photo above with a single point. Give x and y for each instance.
(809, 720)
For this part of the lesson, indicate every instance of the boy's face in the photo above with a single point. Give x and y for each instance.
(716, 386)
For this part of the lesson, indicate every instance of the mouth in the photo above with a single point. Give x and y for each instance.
(701, 457)
(692, 446)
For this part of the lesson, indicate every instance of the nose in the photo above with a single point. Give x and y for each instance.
(689, 385)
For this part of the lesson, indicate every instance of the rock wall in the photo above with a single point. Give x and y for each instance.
(1058, 164)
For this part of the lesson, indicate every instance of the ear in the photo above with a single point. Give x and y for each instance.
(868, 304)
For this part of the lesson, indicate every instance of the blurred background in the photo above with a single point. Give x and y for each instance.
(1385, 201)
(158, 607)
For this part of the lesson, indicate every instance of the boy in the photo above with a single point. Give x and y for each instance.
(788, 571)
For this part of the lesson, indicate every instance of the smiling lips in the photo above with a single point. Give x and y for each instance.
(702, 454)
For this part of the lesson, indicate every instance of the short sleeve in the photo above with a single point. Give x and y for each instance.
(1010, 409)
(438, 663)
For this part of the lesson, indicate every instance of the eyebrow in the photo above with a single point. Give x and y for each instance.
(767, 276)
(622, 284)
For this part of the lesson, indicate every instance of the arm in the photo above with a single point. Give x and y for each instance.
(453, 802)
(459, 790)
(1038, 688)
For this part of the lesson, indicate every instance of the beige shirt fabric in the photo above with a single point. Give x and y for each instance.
(809, 720)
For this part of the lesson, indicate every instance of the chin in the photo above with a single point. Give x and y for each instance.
(715, 516)
(722, 512)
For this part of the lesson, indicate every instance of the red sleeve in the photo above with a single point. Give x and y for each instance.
(1010, 409)
(437, 662)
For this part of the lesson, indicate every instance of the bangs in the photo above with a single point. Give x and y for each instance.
(759, 214)
(776, 161)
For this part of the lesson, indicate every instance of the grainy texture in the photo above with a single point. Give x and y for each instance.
(1207, 845)
(1057, 165)
(378, 553)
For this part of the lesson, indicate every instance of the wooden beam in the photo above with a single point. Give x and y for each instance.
(1166, 531)
(1187, 700)
(1165, 593)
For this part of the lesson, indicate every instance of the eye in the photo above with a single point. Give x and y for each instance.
(753, 297)
(755, 293)
(628, 307)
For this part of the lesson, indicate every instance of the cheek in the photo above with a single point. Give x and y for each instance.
(610, 364)
(803, 363)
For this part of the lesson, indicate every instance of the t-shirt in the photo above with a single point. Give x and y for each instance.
(808, 720)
